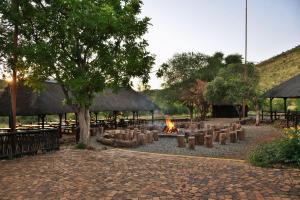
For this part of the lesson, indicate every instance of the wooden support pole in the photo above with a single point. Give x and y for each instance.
(271, 109)
(285, 107)
(76, 119)
(96, 114)
(115, 119)
(60, 123)
(65, 118)
(43, 121)
(38, 120)
(133, 117)
(152, 116)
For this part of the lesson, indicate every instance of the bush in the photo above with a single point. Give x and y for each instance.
(80, 146)
(283, 151)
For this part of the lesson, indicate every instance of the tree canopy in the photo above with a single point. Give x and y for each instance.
(186, 72)
(232, 87)
(86, 46)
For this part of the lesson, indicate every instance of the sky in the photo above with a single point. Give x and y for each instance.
(208, 26)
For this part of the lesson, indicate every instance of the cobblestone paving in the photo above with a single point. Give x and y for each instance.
(120, 174)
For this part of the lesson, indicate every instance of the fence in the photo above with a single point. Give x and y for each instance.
(28, 142)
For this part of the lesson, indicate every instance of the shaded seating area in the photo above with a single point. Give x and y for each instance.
(50, 102)
(289, 89)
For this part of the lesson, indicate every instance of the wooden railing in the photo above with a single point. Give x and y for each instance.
(28, 142)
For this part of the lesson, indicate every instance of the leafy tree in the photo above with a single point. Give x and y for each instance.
(183, 72)
(87, 46)
(12, 13)
(230, 86)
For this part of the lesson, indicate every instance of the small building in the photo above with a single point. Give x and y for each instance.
(227, 111)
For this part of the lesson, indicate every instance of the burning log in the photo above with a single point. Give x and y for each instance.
(170, 127)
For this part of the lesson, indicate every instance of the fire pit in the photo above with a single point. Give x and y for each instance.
(170, 130)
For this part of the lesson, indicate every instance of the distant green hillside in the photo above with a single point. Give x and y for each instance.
(279, 68)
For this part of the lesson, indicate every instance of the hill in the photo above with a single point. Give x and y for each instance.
(279, 68)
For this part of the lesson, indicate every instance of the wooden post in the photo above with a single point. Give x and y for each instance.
(208, 141)
(60, 123)
(115, 118)
(38, 120)
(191, 143)
(43, 121)
(223, 138)
(285, 107)
(271, 111)
(76, 119)
(181, 141)
(241, 134)
(65, 118)
(152, 116)
(233, 137)
(155, 135)
(96, 114)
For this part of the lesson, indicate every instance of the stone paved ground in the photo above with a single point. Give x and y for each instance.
(120, 174)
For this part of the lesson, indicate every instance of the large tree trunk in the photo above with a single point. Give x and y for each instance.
(191, 111)
(244, 108)
(84, 124)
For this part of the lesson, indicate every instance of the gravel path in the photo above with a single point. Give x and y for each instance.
(238, 150)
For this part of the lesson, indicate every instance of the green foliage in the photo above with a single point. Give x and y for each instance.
(284, 151)
(81, 146)
(87, 45)
(230, 85)
(166, 105)
(12, 18)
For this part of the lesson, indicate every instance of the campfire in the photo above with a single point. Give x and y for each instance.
(170, 126)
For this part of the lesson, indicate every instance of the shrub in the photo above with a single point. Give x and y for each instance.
(80, 146)
(284, 151)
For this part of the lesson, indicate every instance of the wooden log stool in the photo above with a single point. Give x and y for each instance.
(191, 142)
(155, 135)
(233, 137)
(199, 138)
(240, 134)
(208, 141)
(216, 136)
(223, 138)
(126, 136)
(210, 132)
(149, 137)
(181, 141)
(141, 139)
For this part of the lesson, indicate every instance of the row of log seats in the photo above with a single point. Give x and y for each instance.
(190, 125)
(128, 137)
(210, 134)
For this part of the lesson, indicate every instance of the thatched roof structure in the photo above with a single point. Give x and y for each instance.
(287, 89)
(50, 101)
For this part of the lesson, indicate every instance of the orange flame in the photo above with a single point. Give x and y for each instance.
(170, 126)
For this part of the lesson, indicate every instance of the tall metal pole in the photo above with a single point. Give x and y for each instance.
(246, 31)
(245, 67)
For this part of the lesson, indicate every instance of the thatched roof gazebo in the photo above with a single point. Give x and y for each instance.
(50, 101)
(285, 90)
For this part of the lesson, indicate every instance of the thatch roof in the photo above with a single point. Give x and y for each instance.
(50, 101)
(287, 89)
